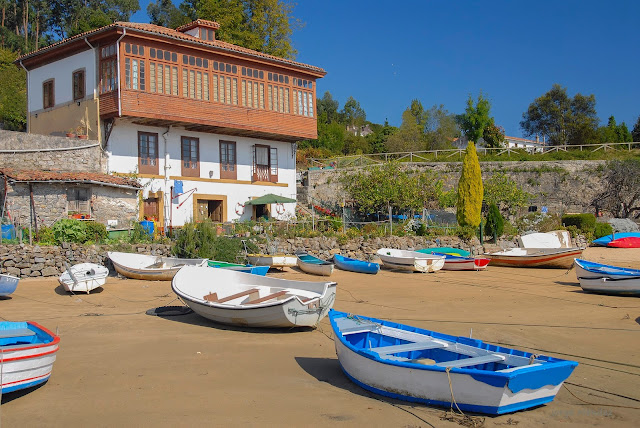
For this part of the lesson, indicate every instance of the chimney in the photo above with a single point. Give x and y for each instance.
(201, 28)
(537, 138)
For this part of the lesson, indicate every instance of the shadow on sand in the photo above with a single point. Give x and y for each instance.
(328, 370)
(60, 291)
(195, 319)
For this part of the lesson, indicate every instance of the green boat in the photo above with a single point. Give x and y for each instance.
(256, 270)
(445, 250)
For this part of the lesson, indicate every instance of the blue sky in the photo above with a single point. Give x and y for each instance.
(385, 54)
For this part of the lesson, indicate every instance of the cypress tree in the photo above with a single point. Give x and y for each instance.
(495, 222)
(470, 189)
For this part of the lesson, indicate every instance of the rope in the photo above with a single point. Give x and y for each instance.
(460, 418)
(598, 404)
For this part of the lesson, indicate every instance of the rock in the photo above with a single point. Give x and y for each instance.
(334, 251)
(9, 263)
(23, 265)
(13, 271)
(50, 271)
(25, 271)
(36, 273)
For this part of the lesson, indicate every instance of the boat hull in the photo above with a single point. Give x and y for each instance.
(410, 260)
(89, 276)
(629, 242)
(466, 263)
(139, 269)
(256, 270)
(603, 241)
(445, 250)
(353, 265)
(520, 380)
(27, 365)
(303, 305)
(537, 258)
(275, 261)
(607, 279)
(8, 284)
(314, 265)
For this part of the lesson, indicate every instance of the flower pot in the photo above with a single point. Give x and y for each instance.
(71, 135)
(83, 137)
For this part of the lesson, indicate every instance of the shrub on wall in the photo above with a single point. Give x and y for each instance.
(583, 222)
(602, 229)
(200, 240)
(69, 230)
(96, 232)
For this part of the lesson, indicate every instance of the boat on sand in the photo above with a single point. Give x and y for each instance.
(151, 268)
(410, 260)
(27, 352)
(413, 364)
(238, 298)
(272, 260)
(561, 258)
(354, 265)
(452, 262)
(605, 279)
(313, 265)
(256, 270)
(8, 284)
(83, 277)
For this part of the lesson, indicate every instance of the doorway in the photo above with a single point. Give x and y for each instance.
(210, 207)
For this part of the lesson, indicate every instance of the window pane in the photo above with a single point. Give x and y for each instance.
(152, 52)
(134, 49)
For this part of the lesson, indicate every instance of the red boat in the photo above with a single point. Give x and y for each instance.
(628, 242)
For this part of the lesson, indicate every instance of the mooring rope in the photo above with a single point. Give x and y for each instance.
(461, 418)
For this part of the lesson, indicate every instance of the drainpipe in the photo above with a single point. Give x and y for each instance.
(28, 114)
(167, 200)
(124, 33)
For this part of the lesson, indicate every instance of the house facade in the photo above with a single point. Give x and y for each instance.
(203, 125)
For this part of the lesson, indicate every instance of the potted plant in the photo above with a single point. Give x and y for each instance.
(71, 133)
(81, 133)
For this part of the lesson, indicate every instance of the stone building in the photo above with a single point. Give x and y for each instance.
(48, 196)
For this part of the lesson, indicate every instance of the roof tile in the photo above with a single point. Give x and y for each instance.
(77, 177)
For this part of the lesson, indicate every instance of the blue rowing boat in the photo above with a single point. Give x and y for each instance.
(354, 265)
(606, 239)
(605, 279)
(8, 284)
(413, 364)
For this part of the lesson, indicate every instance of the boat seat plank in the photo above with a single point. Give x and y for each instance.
(17, 332)
(268, 297)
(466, 362)
(211, 297)
(240, 294)
(416, 346)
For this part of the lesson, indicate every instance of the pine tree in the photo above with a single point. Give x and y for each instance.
(470, 189)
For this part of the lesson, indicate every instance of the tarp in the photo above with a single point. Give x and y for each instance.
(270, 198)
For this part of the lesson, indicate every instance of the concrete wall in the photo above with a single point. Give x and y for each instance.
(34, 153)
(67, 117)
(123, 157)
(561, 186)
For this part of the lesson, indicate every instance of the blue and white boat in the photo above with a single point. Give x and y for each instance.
(606, 239)
(413, 364)
(354, 265)
(313, 265)
(27, 354)
(445, 250)
(605, 279)
(256, 270)
(8, 284)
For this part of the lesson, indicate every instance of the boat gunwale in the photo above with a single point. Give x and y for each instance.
(55, 341)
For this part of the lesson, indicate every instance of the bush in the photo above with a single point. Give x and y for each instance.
(139, 234)
(45, 236)
(495, 222)
(69, 230)
(584, 222)
(96, 232)
(602, 229)
(200, 241)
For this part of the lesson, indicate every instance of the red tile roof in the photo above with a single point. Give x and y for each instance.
(199, 23)
(168, 32)
(67, 177)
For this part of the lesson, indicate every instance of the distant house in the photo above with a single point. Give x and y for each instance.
(361, 131)
(532, 146)
(205, 125)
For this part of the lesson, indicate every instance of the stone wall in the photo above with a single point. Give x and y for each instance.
(34, 153)
(50, 200)
(561, 186)
(34, 261)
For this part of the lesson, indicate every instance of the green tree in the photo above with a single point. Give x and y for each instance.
(410, 136)
(441, 128)
(71, 17)
(327, 108)
(378, 138)
(13, 93)
(495, 222)
(475, 118)
(622, 193)
(470, 189)
(352, 114)
(563, 120)
(504, 192)
(493, 135)
(624, 136)
(165, 14)
(635, 134)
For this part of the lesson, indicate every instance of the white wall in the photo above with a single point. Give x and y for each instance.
(62, 71)
(123, 157)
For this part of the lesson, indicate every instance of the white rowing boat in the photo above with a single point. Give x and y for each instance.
(153, 268)
(272, 260)
(238, 298)
(410, 260)
(83, 277)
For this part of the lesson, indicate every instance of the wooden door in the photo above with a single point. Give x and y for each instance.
(215, 211)
(151, 209)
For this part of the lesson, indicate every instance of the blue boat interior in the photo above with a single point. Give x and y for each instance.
(311, 259)
(21, 333)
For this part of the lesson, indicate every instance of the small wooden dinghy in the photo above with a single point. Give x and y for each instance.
(604, 279)
(628, 242)
(313, 265)
(83, 277)
(151, 268)
(603, 241)
(410, 260)
(8, 284)
(27, 353)
(561, 258)
(409, 363)
(354, 265)
(256, 270)
(272, 260)
(445, 250)
(452, 262)
(238, 298)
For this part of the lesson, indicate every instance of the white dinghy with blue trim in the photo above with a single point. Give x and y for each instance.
(413, 364)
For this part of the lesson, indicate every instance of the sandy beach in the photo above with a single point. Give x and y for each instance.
(118, 366)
